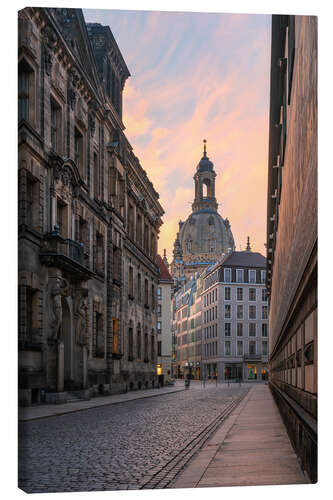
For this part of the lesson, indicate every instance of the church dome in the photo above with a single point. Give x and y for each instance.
(205, 232)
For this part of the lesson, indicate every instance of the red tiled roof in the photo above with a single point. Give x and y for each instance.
(164, 273)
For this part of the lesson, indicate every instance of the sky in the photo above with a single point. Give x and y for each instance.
(198, 76)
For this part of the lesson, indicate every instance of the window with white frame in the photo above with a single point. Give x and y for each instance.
(264, 312)
(227, 311)
(239, 329)
(227, 275)
(265, 347)
(227, 348)
(239, 293)
(252, 294)
(227, 293)
(239, 347)
(252, 347)
(252, 312)
(227, 329)
(264, 330)
(252, 329)
(252, 275)
(264, 295)
(159, 292)
(240, 275)
(263, 276)
(239, 311)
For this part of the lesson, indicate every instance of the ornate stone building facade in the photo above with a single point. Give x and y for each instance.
(205, 235)
(292, 231)
(88, 217)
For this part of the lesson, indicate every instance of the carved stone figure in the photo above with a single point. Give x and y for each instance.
(58, 290)
(81, 321)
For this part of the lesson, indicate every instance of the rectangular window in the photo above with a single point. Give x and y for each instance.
(139, 229)
(159, 327)
(265, 348)
(24, 90)
(264, 295)
(227, 311)
(55, 125)
(239, 311)
(159, 292)
(96, 178)
(252, 329)
(252, 347)
(239, 329)
(252, 312)
(252, 275)
(239, 293)
(146, 293)
(263, 276)
(239, 348)
(264, 330)
(227, 348)
(159, 310)
(130, 282)
(227, 293)
(252, 294)
(227, 329)
(78, 150)
(115, 335)
(227, 275)
(240, 275)
(153, 297)
(159, 348)
(62, 222)
(139, 287)
(264, 312)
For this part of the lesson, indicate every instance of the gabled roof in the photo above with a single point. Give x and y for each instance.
(164, 272)
(244, 259)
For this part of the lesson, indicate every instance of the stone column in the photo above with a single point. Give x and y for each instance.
(53, 209)
(60, 367)
(85, 367)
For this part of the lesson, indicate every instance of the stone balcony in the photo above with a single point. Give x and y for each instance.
(66, 254)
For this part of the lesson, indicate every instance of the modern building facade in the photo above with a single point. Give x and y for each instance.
(88, 217)
(235, 318)
(292, 231)
(205, 235)
(221, 320)
(164, 337)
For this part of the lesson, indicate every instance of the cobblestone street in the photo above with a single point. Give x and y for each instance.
(119, 446)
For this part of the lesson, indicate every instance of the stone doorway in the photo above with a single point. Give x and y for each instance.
(66, 338)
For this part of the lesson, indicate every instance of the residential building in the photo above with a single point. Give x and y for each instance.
(221, 320)
(292, 231)
(235, 318)
(88, 217)
(164, 337)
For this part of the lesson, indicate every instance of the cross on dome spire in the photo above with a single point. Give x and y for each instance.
(204, 141)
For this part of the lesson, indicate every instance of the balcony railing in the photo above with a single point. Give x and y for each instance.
(65, 253)
(252, 357)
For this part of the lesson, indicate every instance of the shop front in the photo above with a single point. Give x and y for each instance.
(252, 371)
(233, 371)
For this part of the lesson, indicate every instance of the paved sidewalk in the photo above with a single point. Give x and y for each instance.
(52, 410)
(250, 448)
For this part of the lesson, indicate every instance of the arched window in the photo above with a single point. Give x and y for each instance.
(206, 188)
(189, 245)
